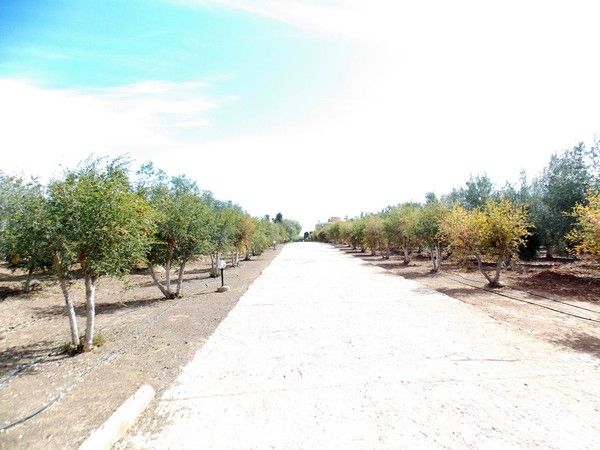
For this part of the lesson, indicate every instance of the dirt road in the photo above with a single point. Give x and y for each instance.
(326, 351)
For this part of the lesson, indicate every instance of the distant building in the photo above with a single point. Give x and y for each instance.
(331, 220)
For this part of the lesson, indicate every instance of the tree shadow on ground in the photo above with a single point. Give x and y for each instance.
(150, 283)
(19, 358)
(457, 292)
(581, 342)
(6, 292)
(101, 308)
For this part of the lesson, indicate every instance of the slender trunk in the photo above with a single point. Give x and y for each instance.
(496, 281)
(157, 282)
(248, 250)
(480, 265)
(438, 258)
(406, 260)
(168, 270)
(373, 252)
(68, 300)
(214, 259)
(178, 293)
(28, 280)
(90, 311)
(387, 252)
(433, 262)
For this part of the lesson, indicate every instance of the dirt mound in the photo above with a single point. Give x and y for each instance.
(563, 278)
(564, 283)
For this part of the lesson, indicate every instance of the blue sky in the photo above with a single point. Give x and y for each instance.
(314, 108)
(263, 71)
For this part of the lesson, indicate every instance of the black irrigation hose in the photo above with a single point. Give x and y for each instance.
(542, 296)
(70, 385)
(521, 300)
(42, 359)
(84, 373)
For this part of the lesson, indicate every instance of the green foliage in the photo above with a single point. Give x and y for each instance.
(476, 192)
(374, 237)
(562, 185)
(25, 241)
(183, 221)
(400, 227)
(585, 236)
(97, 218)
(493, 232)
(428, 221)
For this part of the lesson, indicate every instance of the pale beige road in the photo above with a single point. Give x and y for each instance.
(324, 351)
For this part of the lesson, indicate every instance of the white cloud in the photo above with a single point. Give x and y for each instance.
(44, 127)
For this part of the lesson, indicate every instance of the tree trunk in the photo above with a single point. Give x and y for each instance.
(157, 282)
(90, 311)
(480, 265)
(433, 261)
(180, 279)
(496, 281)
(68, 300)
(248, 251)
(406, 259)
(28, 280)
(214, 260)
(438, 258)
(168, 271)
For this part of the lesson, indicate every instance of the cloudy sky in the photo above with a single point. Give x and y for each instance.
(312, 108)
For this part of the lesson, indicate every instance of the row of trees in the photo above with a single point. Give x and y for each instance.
(97, 221)
(559, 210)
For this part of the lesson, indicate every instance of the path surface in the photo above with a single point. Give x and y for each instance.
(324, 351)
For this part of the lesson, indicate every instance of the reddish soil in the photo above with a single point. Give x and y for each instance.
(148, 340)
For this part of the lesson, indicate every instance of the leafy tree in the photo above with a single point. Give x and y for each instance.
(261, 236)
(183, 230)
(400, 228)
(24, 239)
(224, 228)
(291, 229)
(99, 222)
(586, 234)
(357, 234)
(477, 191)
(492, 232)
(427, 229)
(374, 237)
(562, 185)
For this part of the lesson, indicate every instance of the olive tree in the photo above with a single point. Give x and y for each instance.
(586, 234)
(373, 233)
(183, 231)
(99, 222)
(562, 185)
(223, 230)
(427, 230)
(24, 239)
(400, 227)
(493, 233)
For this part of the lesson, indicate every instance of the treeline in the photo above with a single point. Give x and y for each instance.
(99, 220)
(558, 210)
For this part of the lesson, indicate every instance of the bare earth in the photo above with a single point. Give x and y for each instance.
(148, 340)
(325, 350)
(557, 303)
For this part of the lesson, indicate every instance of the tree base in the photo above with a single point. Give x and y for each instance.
(223, 289)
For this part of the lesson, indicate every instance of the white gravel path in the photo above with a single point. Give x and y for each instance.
(324, 351)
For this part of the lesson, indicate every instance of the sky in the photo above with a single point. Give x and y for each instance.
(312, 108)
